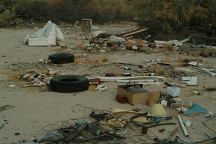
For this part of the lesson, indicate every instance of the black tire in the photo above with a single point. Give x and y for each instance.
(61, 58)
(69, 83)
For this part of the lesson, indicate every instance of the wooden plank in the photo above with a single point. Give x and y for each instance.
(135, 32)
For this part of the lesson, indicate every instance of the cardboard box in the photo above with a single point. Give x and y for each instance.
(153, 97)
(134, 95)
(138, 95)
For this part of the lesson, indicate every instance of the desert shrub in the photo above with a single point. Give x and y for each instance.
(7, 12)
(161, 16)
(31, 10)
(66, 10)
(172, 16)
(2, 7)
(6, 18)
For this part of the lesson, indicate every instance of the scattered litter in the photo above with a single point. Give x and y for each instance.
(173, 91)
(36, 78)
(98, 33)
(116, 39)
(87, 25)
(27, 142)
(162, 44)
(16, 133)
(3, 123)
(153, 98)
(161, 102)
(187, 123)
(171, 104)
(209, 115)
(195, 108)
(43, 61)
(50, 35)
(182, 109)
(101, 87)
(175, 85)
(51, 136)
(210, 89)
(182, 126)
(5, 107)
(135, 94)
(143, 82)
(135, 32)
(12, 85)
(190, 81)
(193, 63)
(210, 72)
(113, 79)
(157, 110)
(161, 130)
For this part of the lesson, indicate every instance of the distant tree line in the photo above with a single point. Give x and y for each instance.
(162, 15)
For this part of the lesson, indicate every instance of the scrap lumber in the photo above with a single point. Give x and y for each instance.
(135, 32)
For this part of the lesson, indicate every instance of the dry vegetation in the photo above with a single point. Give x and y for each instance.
(166, 16)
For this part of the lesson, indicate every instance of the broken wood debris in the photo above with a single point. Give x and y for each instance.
(5, 107)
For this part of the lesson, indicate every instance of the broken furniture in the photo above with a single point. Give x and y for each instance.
(50, 35)
(87, 25)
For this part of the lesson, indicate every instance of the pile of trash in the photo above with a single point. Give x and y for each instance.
(102, 41)
(108, 127)
(156, 85)
(123, 126)
(36, 78)
(198, 50)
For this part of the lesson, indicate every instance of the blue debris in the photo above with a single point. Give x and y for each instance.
(196, 108)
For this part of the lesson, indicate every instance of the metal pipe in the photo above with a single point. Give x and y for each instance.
(182, 126)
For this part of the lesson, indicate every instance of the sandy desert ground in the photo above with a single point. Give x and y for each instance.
(35, 109)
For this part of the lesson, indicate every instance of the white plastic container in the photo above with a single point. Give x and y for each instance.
(173, 91)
